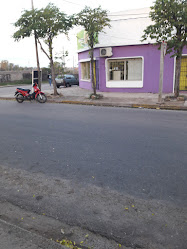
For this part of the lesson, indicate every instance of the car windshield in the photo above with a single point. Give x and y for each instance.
(60, 77)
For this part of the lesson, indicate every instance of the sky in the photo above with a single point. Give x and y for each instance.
(23, 53)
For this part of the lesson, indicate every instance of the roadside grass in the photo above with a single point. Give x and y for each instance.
(18, 82)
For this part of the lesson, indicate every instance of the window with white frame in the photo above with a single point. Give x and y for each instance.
(85, 70)
(129, 69)
(124, 72)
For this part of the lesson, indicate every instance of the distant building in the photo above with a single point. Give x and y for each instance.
(125, 64)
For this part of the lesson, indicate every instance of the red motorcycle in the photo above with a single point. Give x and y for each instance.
(24, 94)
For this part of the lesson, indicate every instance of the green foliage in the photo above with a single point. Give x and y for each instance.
(170, 24)
(59, 67)
(60, 64)
(25, 24)
(46, 23)
(93, 21)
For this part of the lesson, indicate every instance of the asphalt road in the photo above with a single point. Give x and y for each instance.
(137, 153)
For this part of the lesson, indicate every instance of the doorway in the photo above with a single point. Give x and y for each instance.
(183, 74)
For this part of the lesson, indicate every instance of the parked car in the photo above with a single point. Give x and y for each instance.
(66, 80)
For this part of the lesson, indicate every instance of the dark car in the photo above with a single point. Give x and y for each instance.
(66, 80)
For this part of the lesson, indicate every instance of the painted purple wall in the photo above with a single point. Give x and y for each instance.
(151, 56)
(82, 56)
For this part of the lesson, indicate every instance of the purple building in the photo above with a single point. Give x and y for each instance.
(124, 64)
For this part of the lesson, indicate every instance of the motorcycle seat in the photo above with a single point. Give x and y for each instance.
(25, 90)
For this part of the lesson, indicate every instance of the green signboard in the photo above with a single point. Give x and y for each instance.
(82, 40)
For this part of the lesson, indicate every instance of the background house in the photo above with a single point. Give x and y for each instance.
(125, 64)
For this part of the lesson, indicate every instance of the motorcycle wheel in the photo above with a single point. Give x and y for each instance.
(20, 98)
(41, 98)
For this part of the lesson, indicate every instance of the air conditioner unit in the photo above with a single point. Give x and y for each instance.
(106, 52)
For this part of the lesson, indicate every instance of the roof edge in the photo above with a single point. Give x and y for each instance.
(123, 45)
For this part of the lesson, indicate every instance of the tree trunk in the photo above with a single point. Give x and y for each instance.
(52, 68)
(53, 77)
(38, 64)
(92, 70)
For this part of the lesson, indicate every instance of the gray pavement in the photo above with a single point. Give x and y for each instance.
(15, 237)
(77, 95)
(118, 172)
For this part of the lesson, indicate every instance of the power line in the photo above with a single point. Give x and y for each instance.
(128, 14)
(111, 15)
(124, 19)
(108, 14)
(72, 2)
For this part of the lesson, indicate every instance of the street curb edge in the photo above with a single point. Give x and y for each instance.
(145, 106)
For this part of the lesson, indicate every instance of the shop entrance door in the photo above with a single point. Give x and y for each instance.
(183, 74)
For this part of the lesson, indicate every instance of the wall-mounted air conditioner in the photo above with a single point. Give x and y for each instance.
(106, 52)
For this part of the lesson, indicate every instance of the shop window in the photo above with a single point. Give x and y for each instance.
(127, 69)
(124, 72)
(85, 70)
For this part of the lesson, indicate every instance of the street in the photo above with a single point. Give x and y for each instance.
(115, 172)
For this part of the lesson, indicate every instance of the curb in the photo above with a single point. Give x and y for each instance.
(7, 86)
(172, 107)
(145, 106)
(7, 98)
(93, 103)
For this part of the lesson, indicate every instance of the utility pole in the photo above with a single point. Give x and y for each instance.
(73, 66)
(162, 54)
(37, 57)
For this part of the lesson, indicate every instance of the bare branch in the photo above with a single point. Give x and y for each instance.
(43, 49)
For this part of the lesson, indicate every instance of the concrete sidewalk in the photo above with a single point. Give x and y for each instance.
(77, 95)
(15, 237)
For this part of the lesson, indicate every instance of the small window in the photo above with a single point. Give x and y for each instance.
(134, 69)
(85, 70)
(116, 70)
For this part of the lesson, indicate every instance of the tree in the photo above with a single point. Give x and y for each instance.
(94, 21)
(170, 25)
(11, 66)
(60, 66)
(46, 24)
(4, 65)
